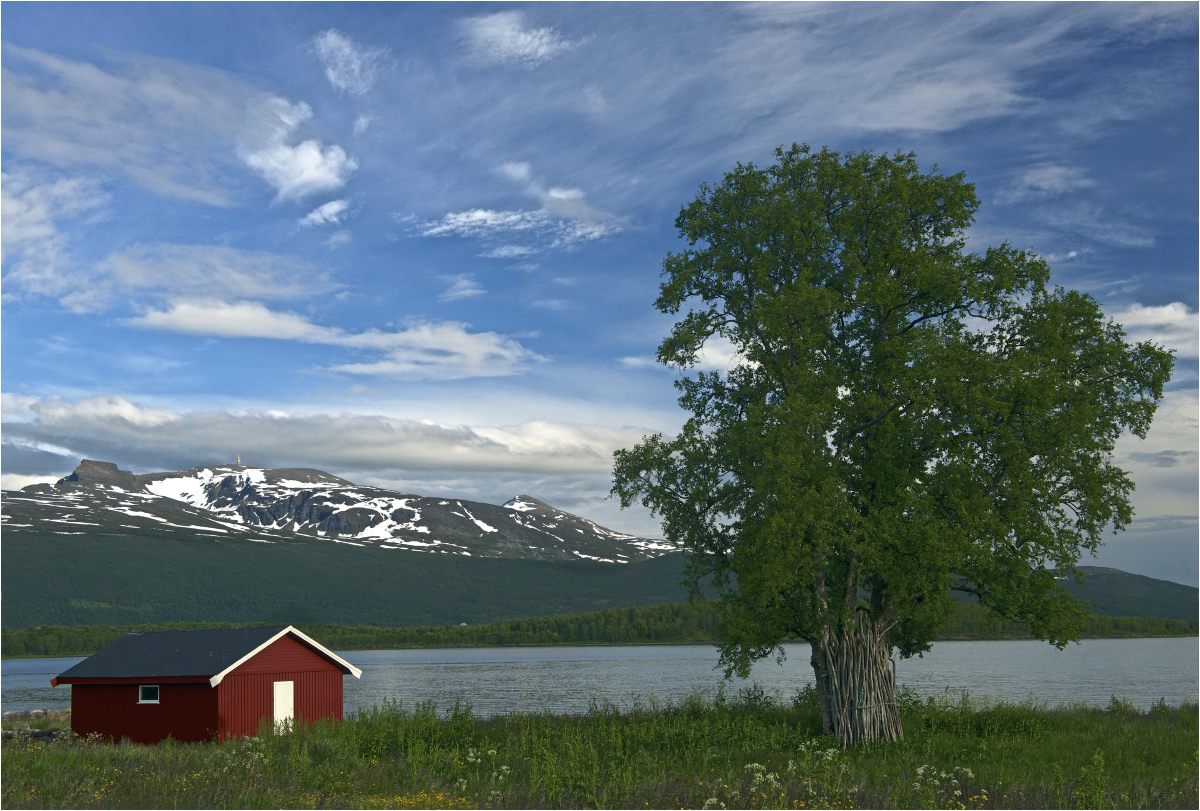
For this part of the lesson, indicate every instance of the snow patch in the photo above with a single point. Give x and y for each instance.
(477, 522)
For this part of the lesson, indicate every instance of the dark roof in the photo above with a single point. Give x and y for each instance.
(151, 654)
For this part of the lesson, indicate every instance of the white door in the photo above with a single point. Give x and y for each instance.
(285, 695)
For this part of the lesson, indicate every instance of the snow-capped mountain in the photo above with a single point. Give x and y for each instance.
(225, 502)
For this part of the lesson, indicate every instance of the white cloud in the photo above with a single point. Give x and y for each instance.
(15, 481)
(1087, 219)
(299, 170)
(565, 219)
(362, 123)
(509, 252)
(304, 169)
(504, 38)
(171, 127)
(338, 239)
(552, 230)
(151, 272)
(1045, 180)
(214, 271)
(328, 214)
(419, 351)
(243, 319)
(30, 242)
(463, 287)
(108, 408)
(349, 68)
(718, 354)
(520, 172)
(167, 126)
(441, 351)
(1172, 325)
(1165, 465)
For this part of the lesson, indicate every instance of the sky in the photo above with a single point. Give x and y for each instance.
(418, 245)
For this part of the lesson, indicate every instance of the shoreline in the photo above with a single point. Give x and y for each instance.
(713, 643)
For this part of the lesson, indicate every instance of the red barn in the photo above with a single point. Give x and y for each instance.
(200, 685)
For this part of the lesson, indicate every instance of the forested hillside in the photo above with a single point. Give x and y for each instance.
(81, 580)
(674, 623)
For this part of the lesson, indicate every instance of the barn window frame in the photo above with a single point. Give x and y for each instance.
(145, 691)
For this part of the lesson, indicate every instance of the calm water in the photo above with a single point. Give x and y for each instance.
(569, 679)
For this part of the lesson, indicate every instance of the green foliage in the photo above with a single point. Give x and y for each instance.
(905, 417)
(745, 751)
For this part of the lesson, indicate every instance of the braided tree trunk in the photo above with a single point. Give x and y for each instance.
(856, 684)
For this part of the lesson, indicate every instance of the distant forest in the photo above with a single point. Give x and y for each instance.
(671, 623)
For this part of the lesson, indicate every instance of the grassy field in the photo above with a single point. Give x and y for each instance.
(741, 752)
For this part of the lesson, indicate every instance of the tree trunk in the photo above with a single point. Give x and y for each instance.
(856, 684)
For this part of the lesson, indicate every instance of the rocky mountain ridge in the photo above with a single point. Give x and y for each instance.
(239, 502)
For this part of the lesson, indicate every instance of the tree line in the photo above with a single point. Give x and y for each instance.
(671, 623)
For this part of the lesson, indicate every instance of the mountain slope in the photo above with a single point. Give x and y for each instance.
(1121, 594)
(302, 505)
(54, 579)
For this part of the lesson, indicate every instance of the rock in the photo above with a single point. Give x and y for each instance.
(93, 472)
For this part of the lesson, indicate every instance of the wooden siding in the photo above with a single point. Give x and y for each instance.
(185, 712)
(285, 654)
(245, 700)
(247, 695)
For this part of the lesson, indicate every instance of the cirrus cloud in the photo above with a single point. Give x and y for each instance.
(505, 38)
(349, 68)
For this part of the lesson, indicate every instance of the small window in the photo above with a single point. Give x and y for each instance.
(147, 693)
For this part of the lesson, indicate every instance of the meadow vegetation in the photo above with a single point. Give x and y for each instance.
(745, 751)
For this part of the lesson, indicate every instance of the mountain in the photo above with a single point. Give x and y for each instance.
(230, 543)
(219, 502)
(1115, 593)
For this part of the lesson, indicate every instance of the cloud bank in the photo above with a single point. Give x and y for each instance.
(112, 428)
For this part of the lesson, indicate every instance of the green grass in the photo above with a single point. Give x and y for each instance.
(744, 752)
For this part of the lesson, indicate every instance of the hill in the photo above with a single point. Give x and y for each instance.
(1115, 593)
(118, 580)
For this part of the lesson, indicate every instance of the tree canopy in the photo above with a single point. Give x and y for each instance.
(904, 417)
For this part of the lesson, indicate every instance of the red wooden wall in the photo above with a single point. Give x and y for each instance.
(185, 712)
(246, 696)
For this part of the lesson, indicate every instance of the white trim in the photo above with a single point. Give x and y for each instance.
(354, 671)
(158, 692)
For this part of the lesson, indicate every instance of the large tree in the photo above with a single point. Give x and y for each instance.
(904, 419)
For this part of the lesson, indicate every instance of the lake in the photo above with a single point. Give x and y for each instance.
(568, 679)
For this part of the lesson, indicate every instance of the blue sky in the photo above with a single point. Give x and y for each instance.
(418, 245)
